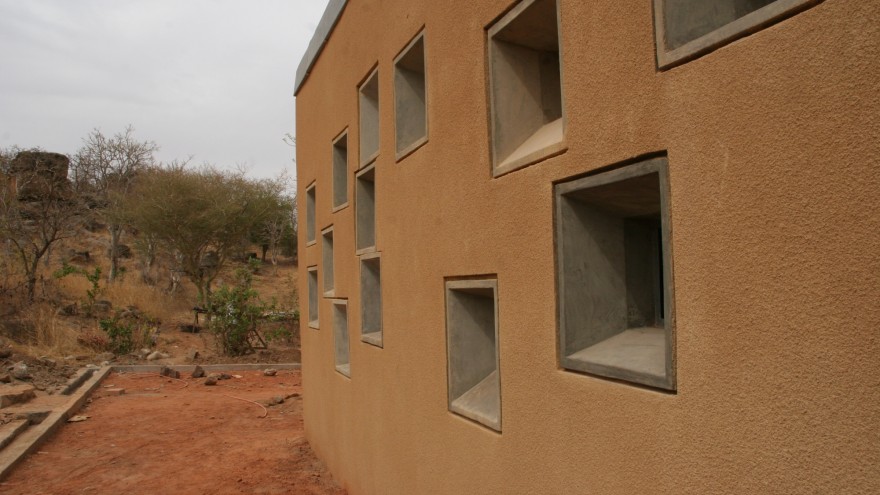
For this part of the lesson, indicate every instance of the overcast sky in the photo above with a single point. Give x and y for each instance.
(208, 78)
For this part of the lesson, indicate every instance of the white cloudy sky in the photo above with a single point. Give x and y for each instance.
(209, 78)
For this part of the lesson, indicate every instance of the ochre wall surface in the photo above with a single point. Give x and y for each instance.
(773, 144)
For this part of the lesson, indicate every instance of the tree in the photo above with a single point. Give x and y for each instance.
(38, 207)
(107, 168)
(278, 221)
(200, 216)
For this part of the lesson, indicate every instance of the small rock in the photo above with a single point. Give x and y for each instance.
(5, 378)
(77, 419)
(20, 371)
(192, 354)
(211, 380)
(198, 372)
(270, 372)
(49, 363)
(68, 310)
(277, 400)
(105, 363)
(225, 376)
(157, 355)
(102, 307)
(115, 391)
(92, 366)
(169, 372)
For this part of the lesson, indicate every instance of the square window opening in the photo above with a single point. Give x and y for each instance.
(327, 259)
(365, 210)
(313, 296)
(371, 300)
(525, 81)
(340, 171)
(311, 200)
(472, 351)
(614, 274)
(687, 29)
(340, 336)
(369, 118)
(410, 108)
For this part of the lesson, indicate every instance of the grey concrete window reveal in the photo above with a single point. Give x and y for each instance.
(687, 29)
(614, 275)
(371, 299)
(311, 201)
(313, 296)
(525, 83)
(340, 336)
(327, 261)
(472, 350)
(368, 98)
(410, 98)
(365, 210)
(340, 171)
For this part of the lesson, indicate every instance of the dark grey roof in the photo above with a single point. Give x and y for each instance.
(322, 34)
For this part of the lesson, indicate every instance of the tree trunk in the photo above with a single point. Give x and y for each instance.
(115, 233)
(32, 280)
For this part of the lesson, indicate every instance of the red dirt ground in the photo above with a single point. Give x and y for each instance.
(162, 437)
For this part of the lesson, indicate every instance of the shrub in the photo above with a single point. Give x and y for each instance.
(234, 311)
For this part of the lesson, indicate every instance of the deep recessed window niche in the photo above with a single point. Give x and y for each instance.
(365, 210)
(313, 296)
(327, 260)
(311, 200)
(340, 336)
(525, 82)
(340, 171)
(371, 299)
(410, 107)
(614, 275)
(369, 118)
(686, 29)
(472, 350)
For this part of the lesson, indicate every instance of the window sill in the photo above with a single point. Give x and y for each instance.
(636, 355)
(546, 142)
(372, 338)
(482, 403)
(739, 28)
(411, 148)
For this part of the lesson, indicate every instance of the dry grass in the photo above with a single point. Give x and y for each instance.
(151, 301)
(50, 335)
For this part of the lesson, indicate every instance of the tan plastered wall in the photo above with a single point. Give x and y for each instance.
(773, 144)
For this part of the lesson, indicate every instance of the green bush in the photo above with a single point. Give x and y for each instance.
(234, 311)
(121, 335)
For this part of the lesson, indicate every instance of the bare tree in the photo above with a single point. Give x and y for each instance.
(107, 167)
(38, 208)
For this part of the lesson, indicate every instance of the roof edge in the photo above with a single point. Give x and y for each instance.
(316, 45)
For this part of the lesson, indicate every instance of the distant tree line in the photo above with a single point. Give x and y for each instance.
(196, 218)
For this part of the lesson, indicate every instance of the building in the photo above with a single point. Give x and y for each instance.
(608, 247)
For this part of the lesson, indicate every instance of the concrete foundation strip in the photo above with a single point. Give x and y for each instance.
(32, 438)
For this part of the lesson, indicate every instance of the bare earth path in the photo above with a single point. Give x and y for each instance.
(181, 437)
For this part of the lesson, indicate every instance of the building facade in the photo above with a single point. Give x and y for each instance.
(612, 247)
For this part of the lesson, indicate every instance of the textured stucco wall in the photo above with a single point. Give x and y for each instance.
(773, 144)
